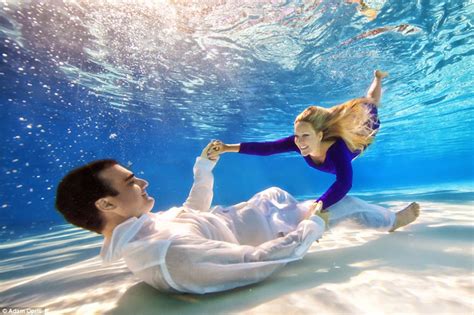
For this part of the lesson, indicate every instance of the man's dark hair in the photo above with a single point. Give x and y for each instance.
(79, 190)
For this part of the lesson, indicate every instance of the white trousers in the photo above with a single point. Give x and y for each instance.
(274, 212)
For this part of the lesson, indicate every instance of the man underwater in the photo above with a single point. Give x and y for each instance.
(194, 248)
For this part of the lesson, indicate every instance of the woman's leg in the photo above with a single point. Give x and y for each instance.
(406, 216)
(365, 214)
(371, 216)
(375, 89)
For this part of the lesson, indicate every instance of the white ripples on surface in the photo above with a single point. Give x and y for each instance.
(207, 60)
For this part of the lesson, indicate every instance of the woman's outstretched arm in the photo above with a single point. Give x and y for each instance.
(254, 148)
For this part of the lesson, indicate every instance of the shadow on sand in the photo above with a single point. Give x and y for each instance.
(422, 245)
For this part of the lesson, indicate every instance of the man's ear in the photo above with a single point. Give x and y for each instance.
(104, 204)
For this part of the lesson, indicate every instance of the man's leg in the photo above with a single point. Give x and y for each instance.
(281, 210)
(276, 195)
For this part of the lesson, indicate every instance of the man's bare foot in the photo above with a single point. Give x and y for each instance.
(379, 74)
(406, 216)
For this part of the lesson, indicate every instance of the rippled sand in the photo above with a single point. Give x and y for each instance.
(424, 268)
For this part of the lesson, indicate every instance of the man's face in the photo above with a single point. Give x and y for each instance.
(132, 199)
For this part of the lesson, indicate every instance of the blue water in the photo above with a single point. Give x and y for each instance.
(150, 83)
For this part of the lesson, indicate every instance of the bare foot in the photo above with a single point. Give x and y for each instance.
(406, 216)
(379, 74)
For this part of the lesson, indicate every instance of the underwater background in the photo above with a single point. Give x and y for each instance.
(149, 83)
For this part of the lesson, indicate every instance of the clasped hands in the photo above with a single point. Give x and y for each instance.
(216, 147)
(316, 208)
(213, 150)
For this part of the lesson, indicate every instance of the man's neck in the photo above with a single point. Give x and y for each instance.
(107, 233)
(111, 224)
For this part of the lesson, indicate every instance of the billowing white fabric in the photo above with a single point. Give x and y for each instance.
(196, 249)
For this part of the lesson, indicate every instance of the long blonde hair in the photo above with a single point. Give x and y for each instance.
(351, 121)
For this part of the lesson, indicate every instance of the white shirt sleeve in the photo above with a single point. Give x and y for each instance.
(198, 265)
(200, 196)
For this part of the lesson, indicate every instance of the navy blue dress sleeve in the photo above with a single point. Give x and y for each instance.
(341, 156)
(270, 147)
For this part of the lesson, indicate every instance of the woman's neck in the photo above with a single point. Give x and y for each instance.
(320, 156)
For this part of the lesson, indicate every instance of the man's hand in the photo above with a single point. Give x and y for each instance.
(216, 149)
(315, 209)
(206, 152)
(324, 216)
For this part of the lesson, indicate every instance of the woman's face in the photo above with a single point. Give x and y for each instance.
(307, 139)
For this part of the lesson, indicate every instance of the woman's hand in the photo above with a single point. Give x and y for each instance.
(216, 149)
(324, 216)
(207, 152)
(316, 209)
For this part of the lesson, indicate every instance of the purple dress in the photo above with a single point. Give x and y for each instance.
(338, 160)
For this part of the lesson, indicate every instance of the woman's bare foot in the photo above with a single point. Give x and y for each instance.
(379, 74)
(406, 216)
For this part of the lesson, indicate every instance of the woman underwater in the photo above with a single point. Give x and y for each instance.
(329, 139)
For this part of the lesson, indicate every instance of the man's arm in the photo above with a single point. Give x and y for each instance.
(200, 266)
(200, 196)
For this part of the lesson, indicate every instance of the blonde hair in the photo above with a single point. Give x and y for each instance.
(351, 121)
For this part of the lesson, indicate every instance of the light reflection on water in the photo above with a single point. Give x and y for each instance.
(208, 60)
